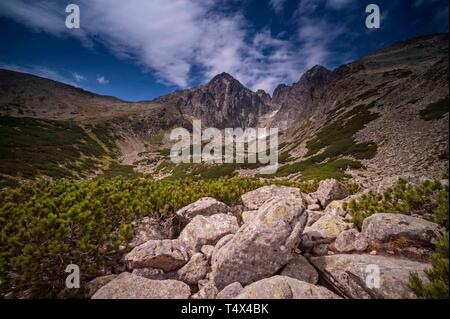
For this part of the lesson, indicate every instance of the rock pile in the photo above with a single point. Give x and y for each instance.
(283, 244)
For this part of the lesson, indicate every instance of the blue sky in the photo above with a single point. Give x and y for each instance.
(141, 49)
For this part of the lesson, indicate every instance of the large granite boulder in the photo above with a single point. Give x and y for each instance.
(167, 255)
(194, 270)
(328, 191)
(205, 206)
(351, 240)
(368, 276)
(299, 268)
(95, 284)
(207, 230)
(230, 291)
(281, 287)
(261, 246)
(255, 199)
(129, 286)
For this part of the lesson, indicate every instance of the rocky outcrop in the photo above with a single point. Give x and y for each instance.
(167, 255)
(205, 206)
(299, 268)
(328, 191)
(367, 276)
(383, 228)
(255, 199)
(129, 286)
(207, 230)
(245, 258)
(281, 287)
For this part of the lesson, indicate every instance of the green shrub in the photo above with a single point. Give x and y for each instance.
(437, 285)
(435, 111)
(402, 198)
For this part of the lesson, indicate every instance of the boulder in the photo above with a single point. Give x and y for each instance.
(167, 255)
(255, 199)
(351, 240)
(153, 273)
(314, 207)
(329, 226)
(95, 284)
(335, 209)
(299, 268)
(313, 216)
(205, 206)
(219, 245)
(207, 291)
(383, 228)
(328, 191)
(194, 270)
(262, 246)
(207, 230)
(230, 291)
(129, 286)
(153, 229)
(281, 287)
(356, 276)
(247, 215)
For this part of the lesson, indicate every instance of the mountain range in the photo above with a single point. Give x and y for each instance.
(380, 117)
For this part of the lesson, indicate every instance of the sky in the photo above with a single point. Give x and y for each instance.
(141, 49)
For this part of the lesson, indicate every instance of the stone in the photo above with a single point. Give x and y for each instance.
(230, 291)
(95, 284)
(247, 215)
(300, 268)
(129, 286)
(153, 273)
(320, 250)
(351, 240)
(255, 199)
(208, 291)
(348, 275)
(314, 207)
(207, 250)
(329, 226)
(262, 246)
(167, 255)
(153, 229)
(328, 191)
(194, 270)
(335, 209)
(313, 216)
(205, 206)
(383, 228)
(219, 245)
(282, 287)
(207, 230)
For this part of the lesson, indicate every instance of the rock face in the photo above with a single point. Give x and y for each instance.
(153, 229)
(299, 268)
(194, 270)
(255, 199)
(230, 291)
(351, 240)
(281, 287)
(205, 206)
(261, 246)
(129, 286)
(328, 191)
(355, 276)
(207, 230)
(382, 228)
(95, 284)
(167, 255)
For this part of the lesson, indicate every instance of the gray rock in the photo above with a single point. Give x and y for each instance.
(129, 286)
(219, 245)
(95, 284)
(207, 230)
(167, 255)
(154, 274)
(300, 268)
(354, 276)
(320, 250)
(207, 291)
(261, 246)
(281, 287)
(313, 216)
(255, 199)
(153, 229)
(207, 250)
(328, 191)
(335, 209)
(194, 270)
(329, 227)
(351, 240)
(383, 228)
(205, 206)
(248, 214)
(230, 291)
(314, 207)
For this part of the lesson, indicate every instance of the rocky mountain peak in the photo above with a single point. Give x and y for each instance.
(224, 78)
(317, 75)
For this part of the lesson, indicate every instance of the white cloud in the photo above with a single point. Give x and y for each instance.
(277, 5)
(102, 80)
(78, 77)
(171, 38)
